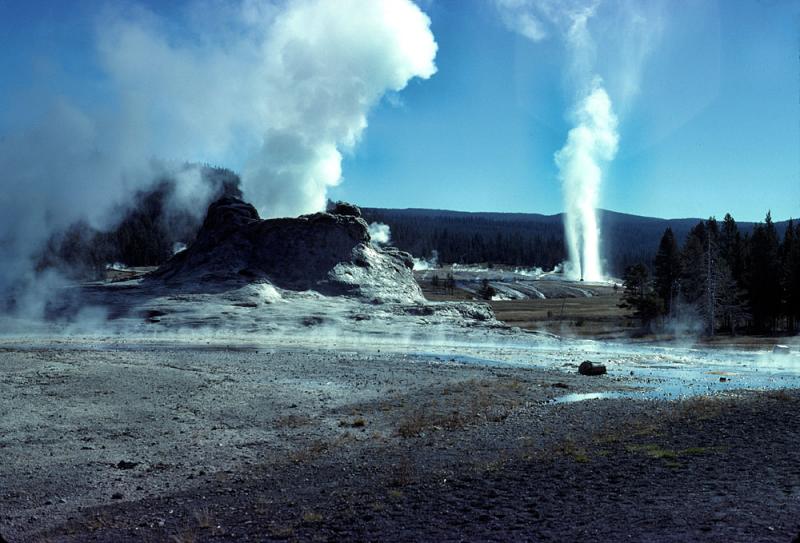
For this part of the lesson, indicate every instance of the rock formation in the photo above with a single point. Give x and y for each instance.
(326, 252)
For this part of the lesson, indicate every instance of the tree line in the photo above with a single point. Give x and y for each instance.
(525, 239)
(469, 239)
(148, 229)
(721, 279)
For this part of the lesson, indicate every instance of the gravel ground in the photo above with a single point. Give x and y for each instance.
(159, 443)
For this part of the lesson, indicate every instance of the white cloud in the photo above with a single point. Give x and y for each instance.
(280, 90)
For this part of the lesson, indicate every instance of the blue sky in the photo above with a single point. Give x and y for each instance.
(715, 126)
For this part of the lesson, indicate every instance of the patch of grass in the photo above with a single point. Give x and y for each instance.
(357, 423)
(494, 466)
(781, 395)
(293, 421)
(578, 454)
(311, 517)
(464, 403)
(692, 451)
(187, 536)
(652, 450)
(313, 451)
(204, 518)
(282, 531)
(423, 420)
(402, 474)
(701, 408)
(98, 522)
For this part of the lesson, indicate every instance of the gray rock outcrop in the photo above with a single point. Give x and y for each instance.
(330, 253)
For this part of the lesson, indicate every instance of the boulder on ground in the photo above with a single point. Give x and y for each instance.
(590, 368)
(780, 349)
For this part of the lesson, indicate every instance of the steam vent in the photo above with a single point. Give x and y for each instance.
(330, 253)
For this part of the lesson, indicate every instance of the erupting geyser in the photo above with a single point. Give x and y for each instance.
(592, 141)
(593, 138)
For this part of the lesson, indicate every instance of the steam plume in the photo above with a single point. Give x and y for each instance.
(279, 91)
(290, 87)
(593, 139)
(590, 143)
(380, 233)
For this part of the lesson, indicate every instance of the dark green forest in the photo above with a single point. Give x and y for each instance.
(145, 234)
(724, 279)
(522, 239)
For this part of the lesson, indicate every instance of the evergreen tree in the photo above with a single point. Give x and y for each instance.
(667, 270)
(639, 294)
(707, 282)
(731, 249)
(692, 284)
(791, 276)
(763, 276)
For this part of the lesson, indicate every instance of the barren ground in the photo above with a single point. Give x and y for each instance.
(152, 441)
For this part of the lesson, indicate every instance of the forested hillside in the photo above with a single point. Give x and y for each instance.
(722, 279)
(147, 232)
(522, 239)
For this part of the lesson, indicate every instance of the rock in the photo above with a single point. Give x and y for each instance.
(329, 253)
(2, 539)
(124, 464)
(560, 385)
(117, 496)
(590, 368)
(343, 208)
(780, 349)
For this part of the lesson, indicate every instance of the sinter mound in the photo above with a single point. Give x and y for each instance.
(330, 253)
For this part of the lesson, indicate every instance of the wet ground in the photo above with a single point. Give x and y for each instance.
(378, 439)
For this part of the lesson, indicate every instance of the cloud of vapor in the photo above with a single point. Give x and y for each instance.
(327, 64)
(631, 29)
(276, 89)
(380, 233)
(290, 87)
(625, 34)
(591, 142)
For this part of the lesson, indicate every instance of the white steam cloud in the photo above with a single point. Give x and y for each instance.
(276, 90)
(290, 88)
(632, 29)
(325, 65)
(380, 233)
(590, 143)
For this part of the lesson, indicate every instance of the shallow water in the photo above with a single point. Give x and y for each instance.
(644, 371)
(654, 372)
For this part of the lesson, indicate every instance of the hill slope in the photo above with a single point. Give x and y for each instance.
(525, 239)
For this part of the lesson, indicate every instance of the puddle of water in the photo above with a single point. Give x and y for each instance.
(582, 397)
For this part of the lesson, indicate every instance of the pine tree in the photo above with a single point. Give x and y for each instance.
(791, 275)
(639, 294)
(731, 249)
(692, 284)
(667, 270)
(707, 284)
(763, 276)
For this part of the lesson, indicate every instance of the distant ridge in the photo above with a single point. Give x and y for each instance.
(527, 239)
